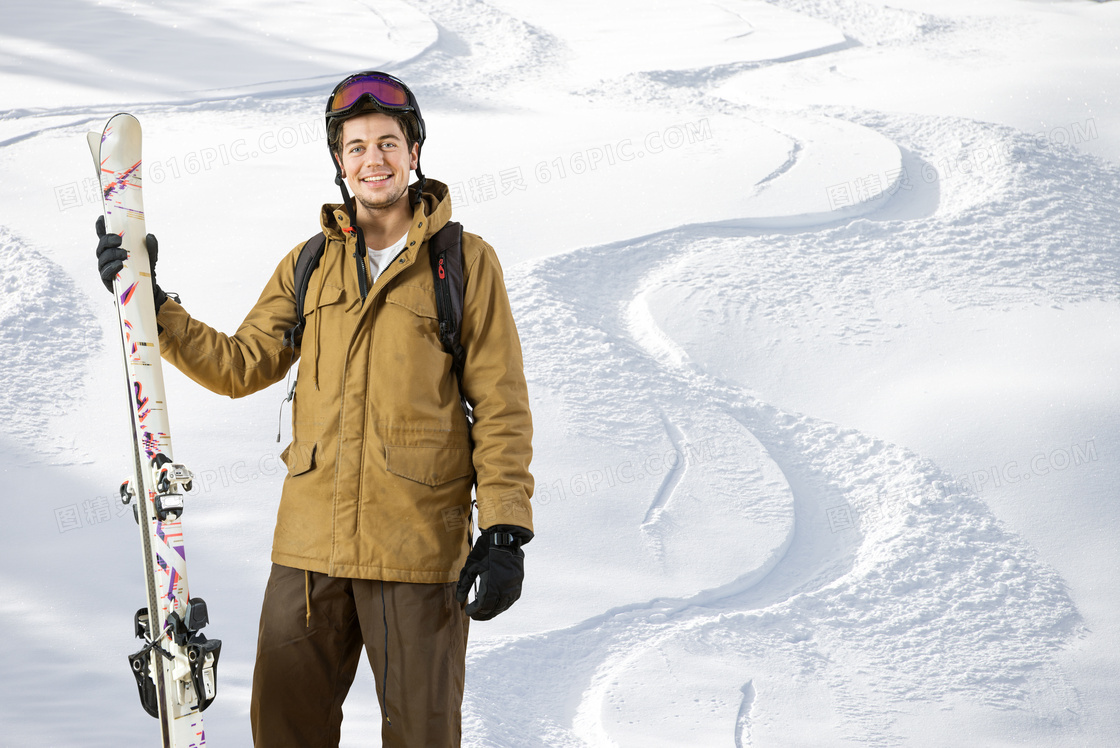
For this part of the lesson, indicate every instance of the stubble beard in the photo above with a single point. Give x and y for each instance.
(374, 206)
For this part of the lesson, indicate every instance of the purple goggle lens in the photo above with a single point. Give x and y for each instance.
(384, 91)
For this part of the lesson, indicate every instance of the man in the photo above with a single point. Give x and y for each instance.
(372, 532)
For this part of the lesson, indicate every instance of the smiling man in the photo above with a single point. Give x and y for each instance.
(373, 535)
(376, 159)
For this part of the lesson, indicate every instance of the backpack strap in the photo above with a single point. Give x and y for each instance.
(445, 250)
(308, 260)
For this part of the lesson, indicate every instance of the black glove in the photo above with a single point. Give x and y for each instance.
(498, 563)
(110, 259)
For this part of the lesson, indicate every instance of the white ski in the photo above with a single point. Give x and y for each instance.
(176, 670)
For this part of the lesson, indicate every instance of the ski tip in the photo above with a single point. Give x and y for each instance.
(93, 139)
(121, 123)
(122, 118)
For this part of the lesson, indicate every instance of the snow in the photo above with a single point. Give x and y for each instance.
(818, 302)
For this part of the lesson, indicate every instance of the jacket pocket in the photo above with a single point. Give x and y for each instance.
(416, 299)
(431, 466)
(315, 299)
(299, 457)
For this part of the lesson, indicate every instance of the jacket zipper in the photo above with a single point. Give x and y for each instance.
(361, 273)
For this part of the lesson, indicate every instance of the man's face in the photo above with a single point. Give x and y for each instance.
(376, 160)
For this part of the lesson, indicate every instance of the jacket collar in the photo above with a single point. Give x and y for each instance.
(433, 210)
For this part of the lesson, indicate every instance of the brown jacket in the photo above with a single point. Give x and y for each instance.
(381, 463)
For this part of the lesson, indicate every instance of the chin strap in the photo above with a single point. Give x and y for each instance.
(354, 228)
(419, 182)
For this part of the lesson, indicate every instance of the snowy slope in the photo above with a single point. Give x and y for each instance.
(818, 301)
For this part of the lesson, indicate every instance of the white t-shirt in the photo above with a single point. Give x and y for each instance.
(379, 259)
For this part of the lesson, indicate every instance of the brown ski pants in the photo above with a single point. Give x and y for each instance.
(311, 634)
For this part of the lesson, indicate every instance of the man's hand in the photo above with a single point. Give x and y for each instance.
(498, 563)
(110, 259)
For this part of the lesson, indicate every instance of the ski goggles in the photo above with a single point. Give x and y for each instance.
(380, 88)
(383, 89)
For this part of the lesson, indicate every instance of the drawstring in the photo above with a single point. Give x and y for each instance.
(318, 330)
(385, 678)
(307, 594)
(288, 399)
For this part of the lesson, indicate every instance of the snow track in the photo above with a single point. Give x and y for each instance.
(110, 49)
(882, 560)
(743, 720)
(44, 327)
